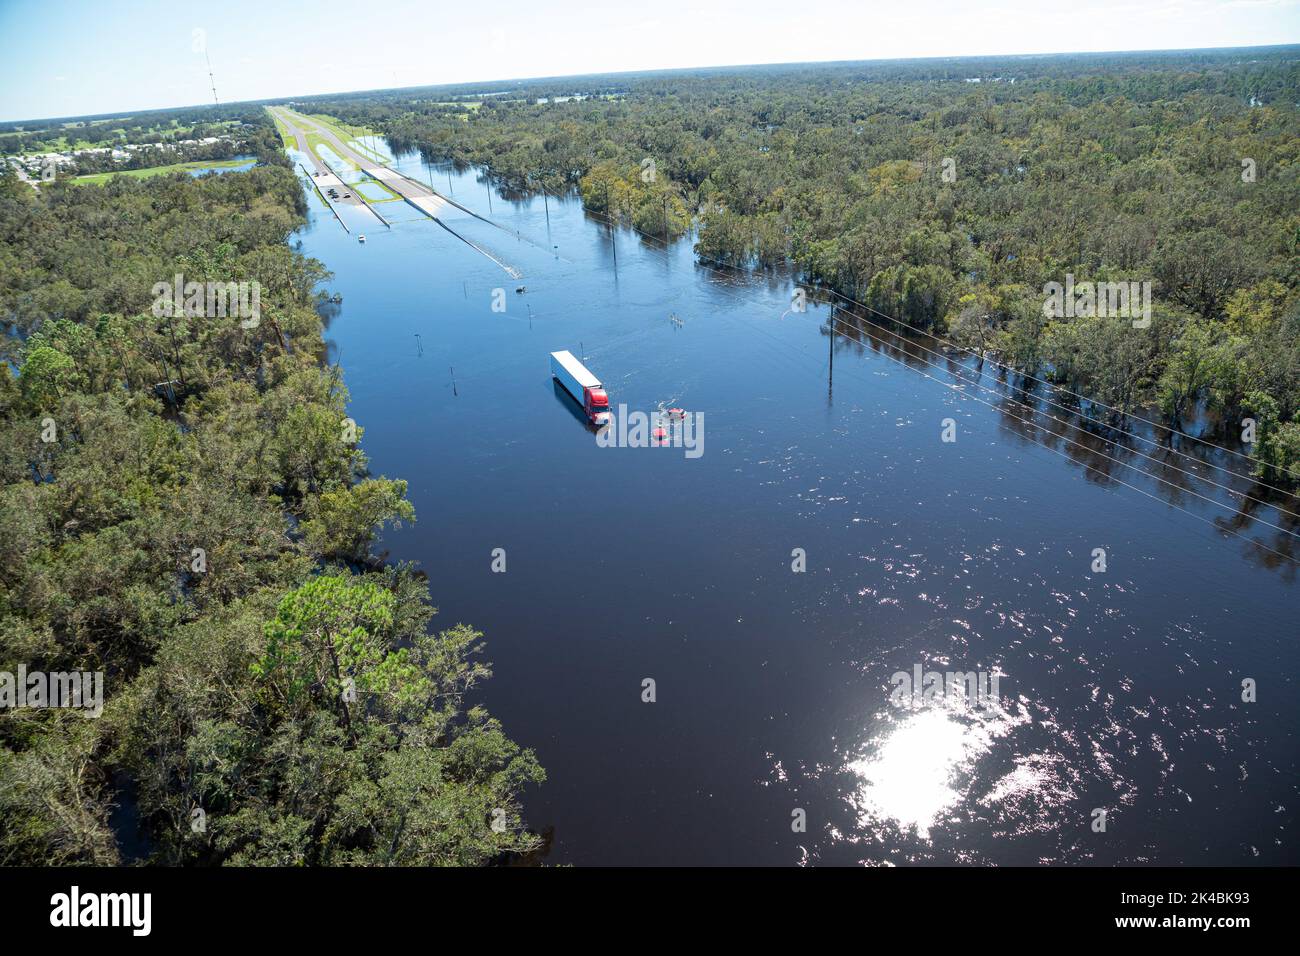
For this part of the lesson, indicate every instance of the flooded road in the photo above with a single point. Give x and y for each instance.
(1118, 732)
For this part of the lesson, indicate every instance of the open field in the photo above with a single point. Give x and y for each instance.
(96, 179)
(286, 138)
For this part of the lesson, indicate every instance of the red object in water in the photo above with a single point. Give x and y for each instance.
(660, 434)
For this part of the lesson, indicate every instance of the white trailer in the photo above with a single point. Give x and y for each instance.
(582, 385)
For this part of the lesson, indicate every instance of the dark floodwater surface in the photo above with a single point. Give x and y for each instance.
(1118, 690)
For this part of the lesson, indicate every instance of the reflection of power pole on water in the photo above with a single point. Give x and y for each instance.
(830, 376)
(609, 215)
(546, 208)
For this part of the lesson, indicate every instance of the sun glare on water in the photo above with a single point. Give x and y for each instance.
(920, 769)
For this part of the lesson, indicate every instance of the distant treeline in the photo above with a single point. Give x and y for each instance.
(154, 126)
(951, 204)
(185, 512)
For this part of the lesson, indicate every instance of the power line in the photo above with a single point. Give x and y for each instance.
(1122, 464)
(1182, 471)
(1081, 397)
(1050, 385)
(662, 242)
(1172, 504)
(1058, 388)
(1031, 423)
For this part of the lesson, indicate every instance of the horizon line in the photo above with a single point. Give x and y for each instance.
(271, 100)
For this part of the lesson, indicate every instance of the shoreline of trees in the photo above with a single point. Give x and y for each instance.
(951, 204)
(184, 507)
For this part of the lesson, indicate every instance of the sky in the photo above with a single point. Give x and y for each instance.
(71, 58)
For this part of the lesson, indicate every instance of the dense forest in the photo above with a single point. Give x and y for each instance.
(948, 194)
(185, 505)
(185, 508)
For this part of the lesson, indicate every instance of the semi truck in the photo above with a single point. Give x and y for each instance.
(582, 385)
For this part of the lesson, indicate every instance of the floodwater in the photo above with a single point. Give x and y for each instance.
(246, 163)
(772, 737)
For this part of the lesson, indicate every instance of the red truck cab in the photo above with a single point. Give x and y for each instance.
(596, 404)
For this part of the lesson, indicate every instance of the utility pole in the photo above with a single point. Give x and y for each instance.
(665, 221)
(210, 77)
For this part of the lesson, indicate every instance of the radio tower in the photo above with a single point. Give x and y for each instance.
(211, 80)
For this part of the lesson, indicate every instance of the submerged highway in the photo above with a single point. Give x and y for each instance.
(424, 198)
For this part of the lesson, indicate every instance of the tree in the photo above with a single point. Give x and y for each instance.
(1199, 360)
(1277, 444)
(331, 642)
(179, 548)
(45, 375)
(343, 522)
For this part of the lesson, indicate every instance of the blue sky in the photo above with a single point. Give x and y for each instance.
(65, 58)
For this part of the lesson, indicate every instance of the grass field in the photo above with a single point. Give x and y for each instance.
(342, 130)
(285, 136)
(96, 179)
(314, 143)
(368, 187)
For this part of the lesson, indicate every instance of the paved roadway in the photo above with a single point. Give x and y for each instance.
(418, 194)
(422, 197)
